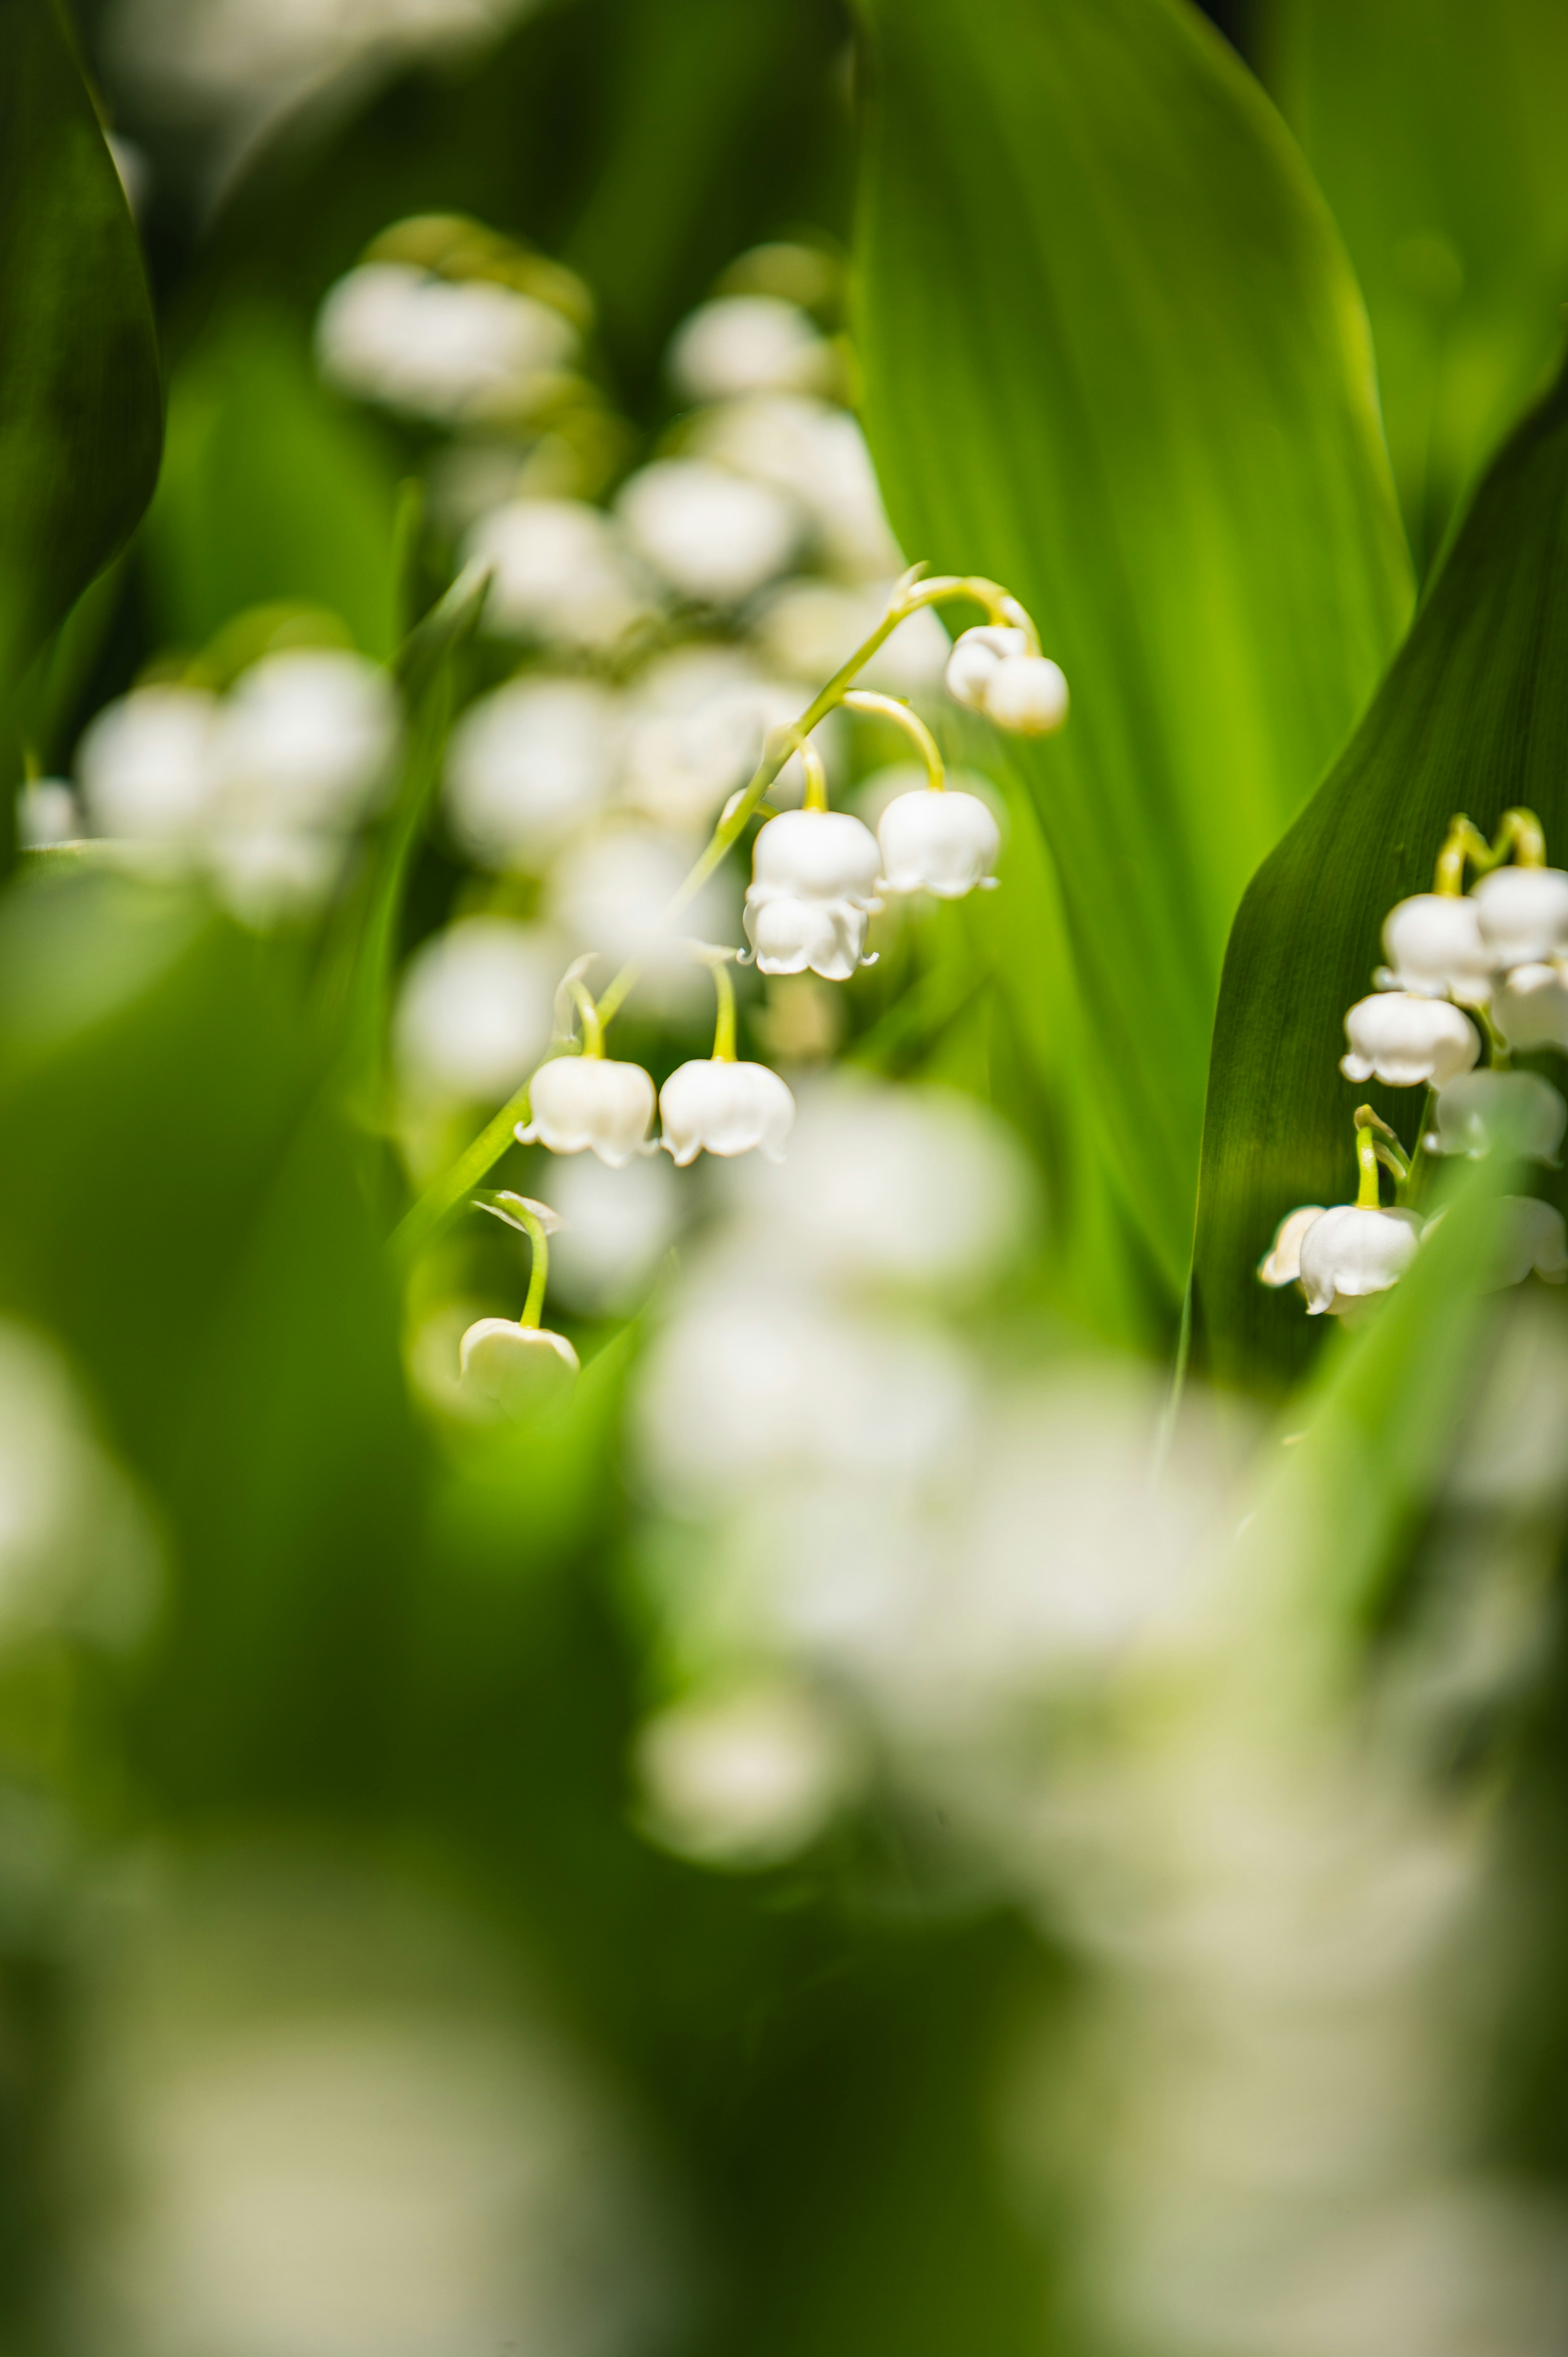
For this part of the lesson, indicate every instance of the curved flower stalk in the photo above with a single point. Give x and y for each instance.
(718, 1105)
(504, 1365)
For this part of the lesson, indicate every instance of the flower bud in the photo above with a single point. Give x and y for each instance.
(1027, 696)
(1352, 1251)
(1523, 914)
(1531, 1008)
(1518, 1111)
(590, 1103)
(976, 657)
(720, 1107)
(942, 842)
(510, 1367)
(1434, 947)
(1403, 1040)
(1281, 1264)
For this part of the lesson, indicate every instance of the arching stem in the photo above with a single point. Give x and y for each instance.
(1518, 831)
(888, 707)
(1375, 1144)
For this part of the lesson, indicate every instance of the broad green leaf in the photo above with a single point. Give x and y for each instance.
(272, 490)
(1114, 357)
(1435, 129)
(1474, 715)
(79, 402)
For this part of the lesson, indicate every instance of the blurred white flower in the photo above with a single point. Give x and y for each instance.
(580, 1104)
(618, 1226)
(263, 873)
(305, 740)
(809, 629)
(1404, 1039)
(942, 842)
(475, 1010)
(1350, 1251)
(813, 885)
(455, 350)
(977, 657)
(1523, 914)
(749, 343)
(145, 764)
(1434, 947)
(611, 891)
(48, 812)
(529, 763)
(563, 574)
(745, 1777)
(725, 1108)
(511, 1368)
(1531, 1007)
(1518, 1111)
(1527, 1238)
(1027, 696)
(713, 534)
(701, 715)
(1281, 1264)
(817, 455)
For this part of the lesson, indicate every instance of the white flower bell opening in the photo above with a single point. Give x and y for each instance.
(1517, 1113)
(1398, 1038)
(717, 1106)
(1523, 914)
(1531, 1008)
(508, 1366)
(1435, 949)
(590, 1104)
(1351, 1251)
(1281, 1264)
(944, 843)
(977, 658)
(1029, 696)
(813, 885)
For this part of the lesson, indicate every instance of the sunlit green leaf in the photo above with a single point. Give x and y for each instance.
(1473, 716)
(1114, 357)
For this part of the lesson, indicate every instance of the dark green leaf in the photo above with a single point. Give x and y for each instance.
(1114, 357)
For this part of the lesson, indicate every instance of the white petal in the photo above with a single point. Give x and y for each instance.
(1404, 1041)
(942, 842)
(975, 658)
(1518, 1111)
(1435, 947)
(509, 1366)
(1532, 1007)
(1351, 1251)
(1523, 913)
(1282, 1263)
(1029, 696)
(590, 1103)
(815, 856)
(725, 1108)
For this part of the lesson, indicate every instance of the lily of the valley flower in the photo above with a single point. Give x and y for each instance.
(944, 842)
(1403, 1039)
(1281, 1264)
(1518, 1111)
(1531, 1008)
(994, 670)
(590, 1103)
(1523, 914)
(813, 890)
(976, 657)
(509, 1366)
(1528, 1240)
(1351, 1251)
(1435, 949)
(715, 1105)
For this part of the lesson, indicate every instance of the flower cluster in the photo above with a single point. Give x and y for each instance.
(1465, 969)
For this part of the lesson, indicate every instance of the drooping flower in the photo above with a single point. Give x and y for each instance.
(1435, 949)
(1518, 1111)
(1403, 1039)
(509, 1366)
(1281, 1264)
(1528, 1239)
(1027, 696)
(977, 658)
(1531, 1008)
(942, 842)
(813, 886)
(711, 533)
(590, 1104)
(715, 1105)
(1351, 1251)
(1523, 914)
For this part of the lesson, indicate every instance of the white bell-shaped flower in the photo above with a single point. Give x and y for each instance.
(1528, 1239)
(1517, 1113)
(1403, 1040)
(1353, 1250)
(1281, 1264)
(1531, 1008)
(711, 533)
(1523, 914)
(590, 1104)
(977, 658)
(813, 886)
(715, 1105)
(508, 1366)
(1027, 696)
(1434, 947)
(944, 843)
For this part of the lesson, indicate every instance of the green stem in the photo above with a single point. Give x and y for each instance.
(443, 1194)
(539, 1270)
(887, 707)
(1518, 831)
(724, 1029)
(1368, 1198)
(594, 1020)
(816, 794)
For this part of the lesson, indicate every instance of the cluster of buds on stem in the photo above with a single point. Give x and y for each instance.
(1467, 973)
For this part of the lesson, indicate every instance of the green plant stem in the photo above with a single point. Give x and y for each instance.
(724, 1029)
(539, 1269)
(888, 707)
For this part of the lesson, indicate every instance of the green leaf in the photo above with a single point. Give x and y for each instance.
(1435, 128)
(79, 402)
(1114, 357)
(272, 491)
(1474, 715)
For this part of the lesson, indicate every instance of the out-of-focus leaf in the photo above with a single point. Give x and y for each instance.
(1435, 129)
(1114, 357)
(1473, 716)
(271, 492)
(79, 404)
